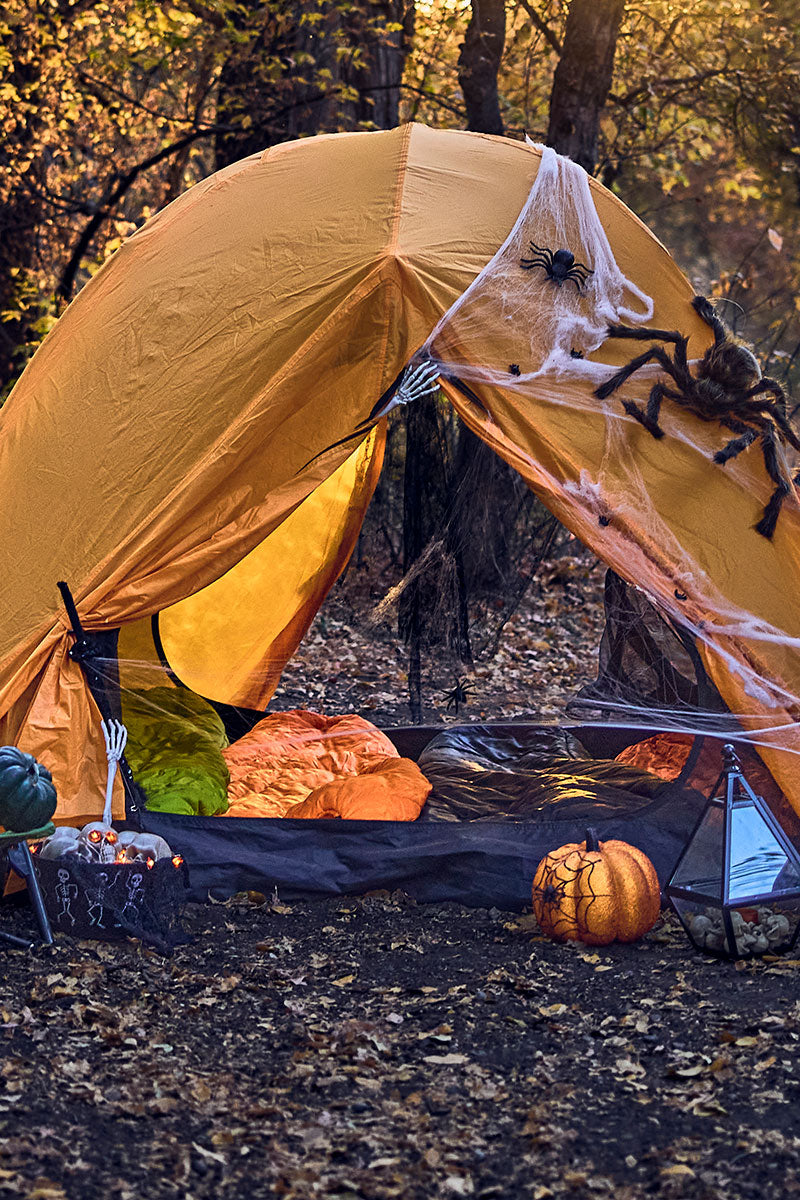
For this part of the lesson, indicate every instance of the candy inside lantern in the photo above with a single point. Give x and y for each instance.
(736, 887)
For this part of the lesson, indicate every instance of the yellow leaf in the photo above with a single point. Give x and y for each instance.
(678, 1169)
(343, 981)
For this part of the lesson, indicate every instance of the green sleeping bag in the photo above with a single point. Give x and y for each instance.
(175, 743)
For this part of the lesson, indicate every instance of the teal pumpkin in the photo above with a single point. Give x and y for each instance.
(27, 794)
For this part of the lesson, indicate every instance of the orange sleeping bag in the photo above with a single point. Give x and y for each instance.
(665, 753)
(302, 764)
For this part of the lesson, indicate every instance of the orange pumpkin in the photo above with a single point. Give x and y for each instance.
(596, 892)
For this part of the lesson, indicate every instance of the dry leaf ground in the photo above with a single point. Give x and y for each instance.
(369, 1048)
(350, 662)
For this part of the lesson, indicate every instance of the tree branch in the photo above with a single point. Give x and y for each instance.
(542, 26)
(115, 192)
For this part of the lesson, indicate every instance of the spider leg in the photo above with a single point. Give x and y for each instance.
(704, 309)
(672, 336)
(542, 257)
(736, 445)
(657, 394)
(643, 335)
(765, 384)
(548, 254)
(535, 260)
(636, 411)
(769, 519)
(579, 275)
(655, 353)
(649, 418)
(774, 412)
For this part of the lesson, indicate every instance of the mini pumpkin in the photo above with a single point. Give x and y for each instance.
(27, 794)
(596, 892)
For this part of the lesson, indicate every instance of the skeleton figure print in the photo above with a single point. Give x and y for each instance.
(130, 910)
(96, 909)
(65, 894)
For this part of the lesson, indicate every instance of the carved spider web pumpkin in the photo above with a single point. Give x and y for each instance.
(596, 892)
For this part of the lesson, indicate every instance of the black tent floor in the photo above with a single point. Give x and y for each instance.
(477, 862)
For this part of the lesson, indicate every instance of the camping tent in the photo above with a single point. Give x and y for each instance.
(165, 452)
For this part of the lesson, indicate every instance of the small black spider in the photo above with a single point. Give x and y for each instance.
(727, 388)
(458, 695)
(558, 266)
(513, 369)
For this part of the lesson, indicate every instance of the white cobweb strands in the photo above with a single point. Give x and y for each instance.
(517, 323)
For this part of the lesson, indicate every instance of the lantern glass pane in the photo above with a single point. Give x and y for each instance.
(759, 864)
(701, 867)
(764, 928)
(703, 923)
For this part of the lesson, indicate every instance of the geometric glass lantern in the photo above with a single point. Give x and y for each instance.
(736, 887)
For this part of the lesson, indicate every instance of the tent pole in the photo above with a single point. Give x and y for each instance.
(89, 650)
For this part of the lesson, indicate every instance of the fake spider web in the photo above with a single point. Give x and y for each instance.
(541, 326)
(531, 336)
(522, 329)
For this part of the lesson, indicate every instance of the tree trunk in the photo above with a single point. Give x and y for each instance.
(478, 64)
(583, 77)
(20, 207)
(376, 73)
(293, 79)
(481, 509)
(424, 508)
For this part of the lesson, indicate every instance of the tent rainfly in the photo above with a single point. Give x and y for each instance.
(167, 450)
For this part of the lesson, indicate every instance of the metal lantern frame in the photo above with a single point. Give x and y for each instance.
(738, 794)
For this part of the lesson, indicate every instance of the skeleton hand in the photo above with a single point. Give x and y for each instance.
(116, 737)
(417, 381)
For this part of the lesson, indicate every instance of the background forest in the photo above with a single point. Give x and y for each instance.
(690, 112)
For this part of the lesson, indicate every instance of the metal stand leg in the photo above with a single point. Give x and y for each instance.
(20, 858)
(23, 943)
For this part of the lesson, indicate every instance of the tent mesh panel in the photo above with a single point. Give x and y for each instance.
(647, 666)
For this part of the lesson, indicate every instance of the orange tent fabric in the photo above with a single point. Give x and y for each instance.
(178, 412)
(302, 764)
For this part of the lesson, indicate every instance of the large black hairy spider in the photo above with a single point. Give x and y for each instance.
(557, 266)
(727, 388)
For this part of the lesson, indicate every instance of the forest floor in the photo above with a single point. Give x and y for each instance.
(352, 660)
(367, 1048)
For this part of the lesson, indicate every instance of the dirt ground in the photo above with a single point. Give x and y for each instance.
(367, 1048)
(547, 648)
